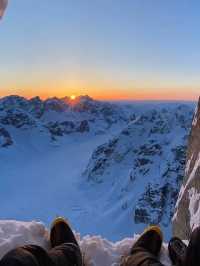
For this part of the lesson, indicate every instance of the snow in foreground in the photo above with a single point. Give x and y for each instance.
(97, 251)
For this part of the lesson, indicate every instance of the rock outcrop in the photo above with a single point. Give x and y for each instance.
(60, 117)
(187, 212)
(143, 166)
(5, 138)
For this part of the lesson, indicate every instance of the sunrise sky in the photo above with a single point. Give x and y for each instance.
(108, 49)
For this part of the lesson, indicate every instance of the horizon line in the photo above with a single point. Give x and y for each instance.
(104, 99)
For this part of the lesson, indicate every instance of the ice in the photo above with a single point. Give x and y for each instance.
(192, 175)
(194, 122)
(194, 208)
(187, 167)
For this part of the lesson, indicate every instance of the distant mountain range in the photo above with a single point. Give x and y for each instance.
(134, 177)
(57, 117)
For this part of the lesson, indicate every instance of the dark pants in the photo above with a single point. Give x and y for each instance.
(193, 250)
(140, 257)
(63, 255)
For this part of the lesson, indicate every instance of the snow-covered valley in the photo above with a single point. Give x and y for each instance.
(110, 168)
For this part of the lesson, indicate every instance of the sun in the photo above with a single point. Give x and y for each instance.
(73, 97)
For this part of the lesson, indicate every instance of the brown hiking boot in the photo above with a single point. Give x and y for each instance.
(61, 233)
(150, 240)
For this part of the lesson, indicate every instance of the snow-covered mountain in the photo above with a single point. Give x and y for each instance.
(187, 213)
(118, 165)
(141, 169)
(57, 117)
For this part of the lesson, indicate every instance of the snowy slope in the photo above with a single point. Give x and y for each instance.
(43, 154)
(137, 174)
(97, 251)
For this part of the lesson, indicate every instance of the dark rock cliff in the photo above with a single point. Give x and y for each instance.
(187, 211)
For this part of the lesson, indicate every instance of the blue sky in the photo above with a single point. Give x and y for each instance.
(101, 47)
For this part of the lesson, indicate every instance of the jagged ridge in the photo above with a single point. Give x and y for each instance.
(56, 116)
(143, 166)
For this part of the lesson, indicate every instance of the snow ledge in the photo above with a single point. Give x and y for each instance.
(96, 250)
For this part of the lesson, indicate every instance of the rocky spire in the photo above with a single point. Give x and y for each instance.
(187, 212)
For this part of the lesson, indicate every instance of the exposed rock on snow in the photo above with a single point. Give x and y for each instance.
(96, 250)
(17, 119)
(5, 138)
(142, 168)
(67, 127)
(186, 216)
(60, 117)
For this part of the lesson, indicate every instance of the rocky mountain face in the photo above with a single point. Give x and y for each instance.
(187, 212)
(57, 117)
(142, 168)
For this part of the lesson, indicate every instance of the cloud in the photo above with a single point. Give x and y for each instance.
(3, 5)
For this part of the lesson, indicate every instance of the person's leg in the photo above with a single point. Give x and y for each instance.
(65, 249)
(27, 256)
(146, 249)
(181, 255)
(66, 255)
(193, 250)
(177, 251)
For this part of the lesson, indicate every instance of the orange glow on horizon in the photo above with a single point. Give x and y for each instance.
(109, 94)
(100, 88)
